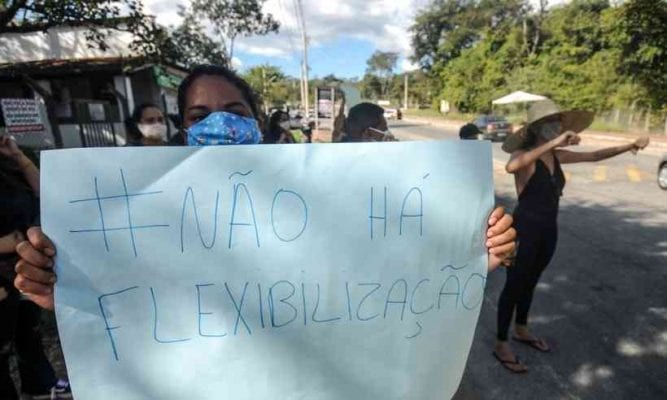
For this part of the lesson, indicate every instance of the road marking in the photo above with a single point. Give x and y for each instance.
(600, 174)
(634, 173)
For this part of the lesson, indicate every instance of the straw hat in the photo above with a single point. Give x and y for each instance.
(571, 121)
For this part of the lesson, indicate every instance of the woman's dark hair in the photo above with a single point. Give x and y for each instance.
(131, 124)
(531, 137)
(223, 72)
(11, 177)
(361, 117)
(274, 130)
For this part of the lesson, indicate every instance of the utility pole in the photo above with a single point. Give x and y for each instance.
(265, 100)
(304, 63)
(405, 94)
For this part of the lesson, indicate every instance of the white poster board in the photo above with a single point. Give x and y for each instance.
(330, 271)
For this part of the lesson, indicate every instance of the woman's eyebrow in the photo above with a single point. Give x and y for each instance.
(235, 104)
(198, 108)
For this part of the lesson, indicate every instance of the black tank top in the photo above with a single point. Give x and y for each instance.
(540, 198)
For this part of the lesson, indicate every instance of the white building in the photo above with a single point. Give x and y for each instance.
(94, 91)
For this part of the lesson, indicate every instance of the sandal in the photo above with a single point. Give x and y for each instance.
(508, 363)
(534, 343)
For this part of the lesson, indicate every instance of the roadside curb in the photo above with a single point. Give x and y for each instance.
(658, 145)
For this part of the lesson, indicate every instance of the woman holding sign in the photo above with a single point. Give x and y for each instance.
(537, 154)
(19, 318)
(217, 108)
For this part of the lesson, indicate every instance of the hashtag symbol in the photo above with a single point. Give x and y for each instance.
(103, 228)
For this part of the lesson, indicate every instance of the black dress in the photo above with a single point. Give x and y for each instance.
(535, 220)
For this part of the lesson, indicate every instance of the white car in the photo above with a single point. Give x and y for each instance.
(390, 113)
(662, 173)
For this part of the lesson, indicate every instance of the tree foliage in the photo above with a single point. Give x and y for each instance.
(234, 18)
(189, 45)
(100, 17)
(591, 54)
(274, 87)
(379, 71)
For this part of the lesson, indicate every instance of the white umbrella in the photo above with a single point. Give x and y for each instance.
(518, 97)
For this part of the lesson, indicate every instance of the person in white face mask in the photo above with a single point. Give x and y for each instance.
(538, 149)
(146, 126)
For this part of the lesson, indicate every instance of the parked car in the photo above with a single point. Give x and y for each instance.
(662, 173)
(391, 113)
(493, 127)
(470, 131)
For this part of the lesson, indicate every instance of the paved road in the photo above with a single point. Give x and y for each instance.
(602, 303)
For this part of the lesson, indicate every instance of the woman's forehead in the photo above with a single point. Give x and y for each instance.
(213, 91)
(151, 112)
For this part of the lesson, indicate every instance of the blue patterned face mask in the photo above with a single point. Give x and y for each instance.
(223, 128)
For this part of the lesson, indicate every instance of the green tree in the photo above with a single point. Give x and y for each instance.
(447, 27)
(640, 33)
(275, 88)
(370, 87)
(234, 18)
(189, 45)
(382, 64)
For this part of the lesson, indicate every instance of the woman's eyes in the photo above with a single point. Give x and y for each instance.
(241, 112)
(198, 117)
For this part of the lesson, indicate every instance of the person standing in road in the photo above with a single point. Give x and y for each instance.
(537, 154)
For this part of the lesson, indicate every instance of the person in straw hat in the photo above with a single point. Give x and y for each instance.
(538, 150)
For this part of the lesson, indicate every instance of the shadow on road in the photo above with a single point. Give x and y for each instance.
(602, 304)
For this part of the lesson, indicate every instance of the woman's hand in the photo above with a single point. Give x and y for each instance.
(640, 144)
(35, 277)
(9, 242)
(567, 139)
(500, 238)
(9, 148)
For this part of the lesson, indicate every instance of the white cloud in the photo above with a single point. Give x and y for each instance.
(237, 63)
(407, 65)
(384, 23)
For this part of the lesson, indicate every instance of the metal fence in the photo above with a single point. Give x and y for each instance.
(643, 121)
(98, 134)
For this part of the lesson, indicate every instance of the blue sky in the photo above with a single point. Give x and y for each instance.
(342, 34)
(344, 57)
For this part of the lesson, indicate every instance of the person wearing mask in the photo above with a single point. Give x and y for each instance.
(279, 129)
(146, 126)
(366, 123)
(20, 318)
(537, 152)
(217, 107)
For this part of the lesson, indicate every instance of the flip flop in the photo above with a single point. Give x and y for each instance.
(507, 363)
(533, 343)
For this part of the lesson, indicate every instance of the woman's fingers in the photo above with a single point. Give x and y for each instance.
(35, 273)
(503, 249)
(497, 214)
(500, 226)
(33, 256)
(40, 241)
(30, 287)
(508, 236)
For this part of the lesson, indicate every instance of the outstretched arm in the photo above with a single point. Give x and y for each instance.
(570, 157)
(523, 159)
